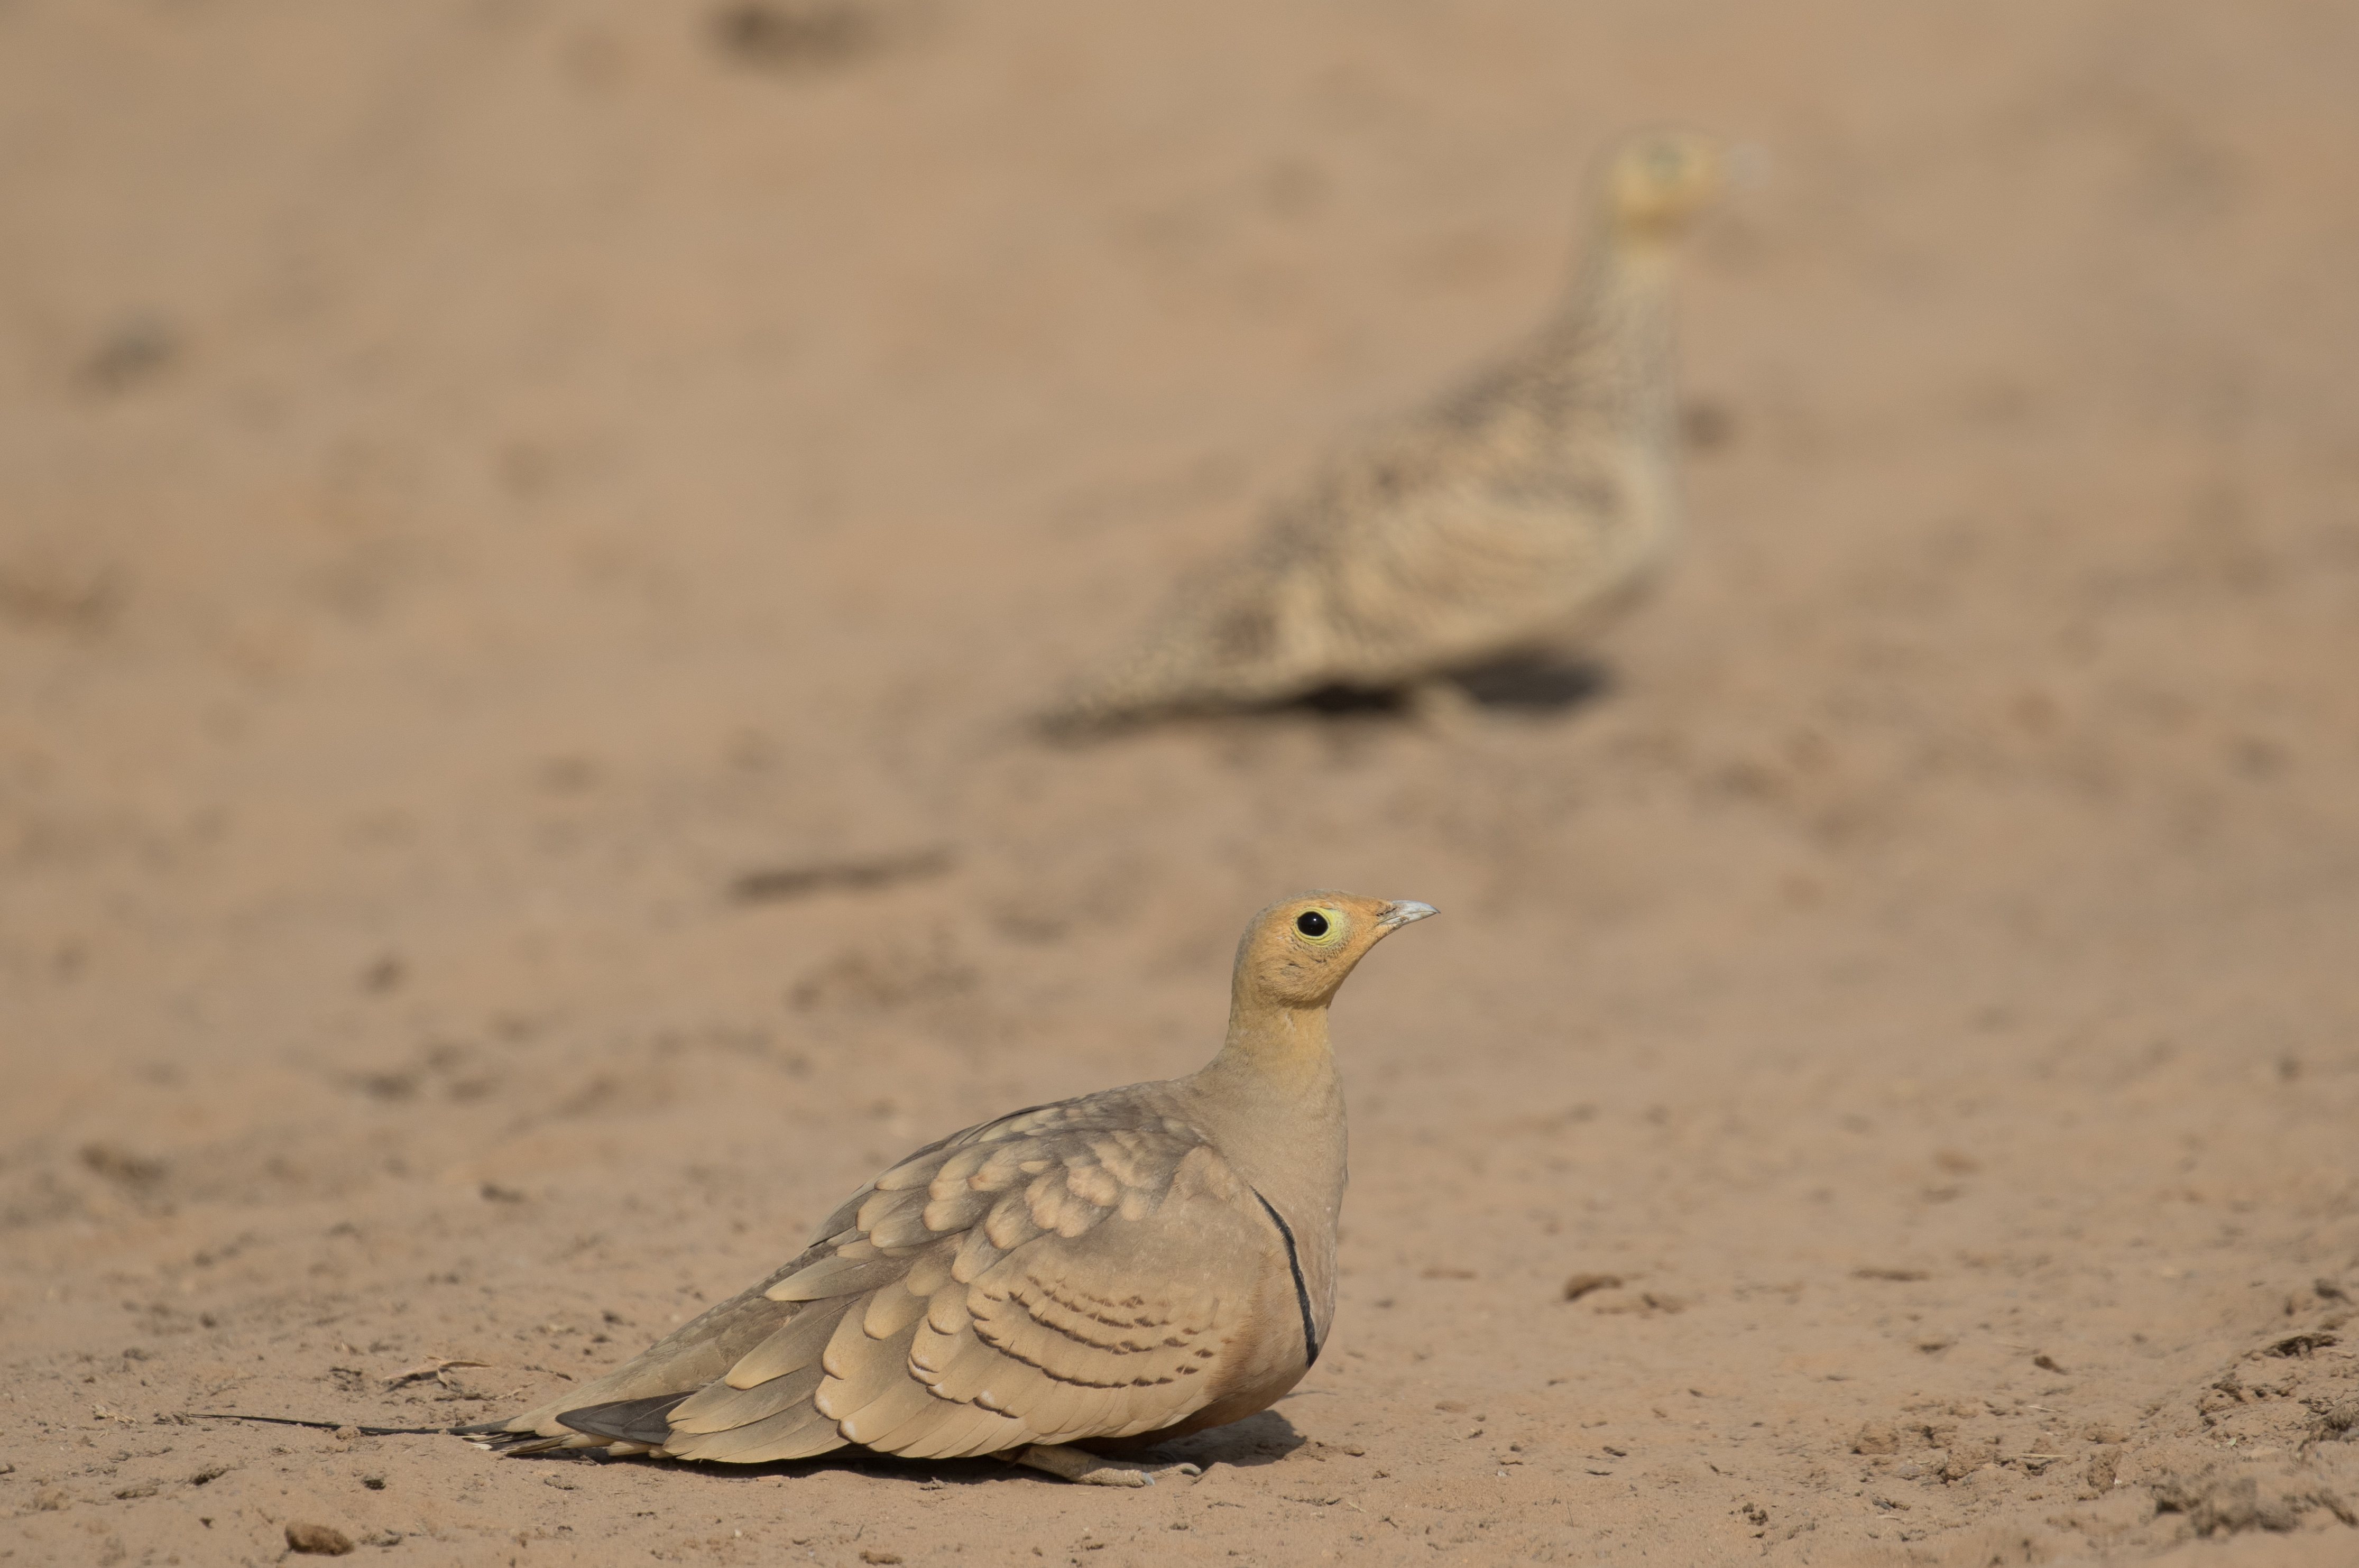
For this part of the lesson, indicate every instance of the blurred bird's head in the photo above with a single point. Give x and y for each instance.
(1657, 182)
(1297, 951)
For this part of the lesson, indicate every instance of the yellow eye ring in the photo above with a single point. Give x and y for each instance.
(1322, 928)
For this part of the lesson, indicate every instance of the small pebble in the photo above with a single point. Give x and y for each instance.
(318, 1540)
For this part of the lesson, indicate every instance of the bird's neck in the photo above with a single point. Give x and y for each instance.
(1615, 334)
(1274, 1102)
(1625, 271)
(1274, 1053)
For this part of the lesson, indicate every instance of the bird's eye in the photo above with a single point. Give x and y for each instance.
(1311, 922)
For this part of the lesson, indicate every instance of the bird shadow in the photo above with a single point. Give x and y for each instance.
(1536, 683)
(1262, 1439)
(1522, 684)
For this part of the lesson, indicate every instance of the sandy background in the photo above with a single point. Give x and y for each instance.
(479, 481)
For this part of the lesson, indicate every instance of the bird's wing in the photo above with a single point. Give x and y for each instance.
(1473, 529)
(1086, 1269)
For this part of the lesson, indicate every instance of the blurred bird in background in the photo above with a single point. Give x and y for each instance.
(1508, 520)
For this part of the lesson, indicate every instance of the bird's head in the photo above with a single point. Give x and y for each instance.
(1297, 951)
(1658, 182)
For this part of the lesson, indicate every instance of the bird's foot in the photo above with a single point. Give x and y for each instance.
(1074, 1465)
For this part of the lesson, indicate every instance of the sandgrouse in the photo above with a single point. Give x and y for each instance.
(1509, 519)
(1117, 1269)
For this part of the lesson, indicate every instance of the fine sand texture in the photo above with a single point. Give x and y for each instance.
(529, 536)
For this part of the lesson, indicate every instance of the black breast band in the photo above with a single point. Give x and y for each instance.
(1301, 1291)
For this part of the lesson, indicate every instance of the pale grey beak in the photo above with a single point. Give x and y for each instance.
(1402, 912)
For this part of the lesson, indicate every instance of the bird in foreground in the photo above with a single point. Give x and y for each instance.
(1115, 1270)
(1510, 519)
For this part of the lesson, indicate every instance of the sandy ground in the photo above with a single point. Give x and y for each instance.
(480, 481)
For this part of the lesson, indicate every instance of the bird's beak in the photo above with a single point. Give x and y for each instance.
(1402, 912)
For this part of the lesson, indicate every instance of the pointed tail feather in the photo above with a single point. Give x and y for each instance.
(628, 1421)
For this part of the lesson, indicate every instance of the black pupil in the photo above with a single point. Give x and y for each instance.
(1311, 922)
